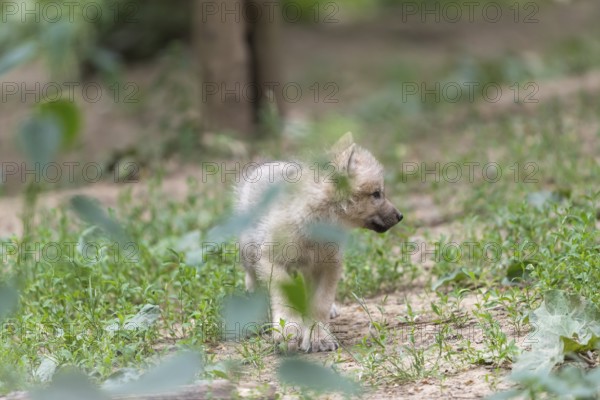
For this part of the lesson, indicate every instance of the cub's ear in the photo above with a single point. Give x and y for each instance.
(343, 143)
(341, 154)
(344, 160)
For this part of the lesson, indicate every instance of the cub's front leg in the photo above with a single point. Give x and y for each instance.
(323, 281)
(294, 329)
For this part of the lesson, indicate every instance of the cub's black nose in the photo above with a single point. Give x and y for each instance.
(399, 216)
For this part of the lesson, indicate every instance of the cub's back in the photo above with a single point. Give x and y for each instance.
(256, 183)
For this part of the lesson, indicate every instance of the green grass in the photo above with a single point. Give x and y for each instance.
(67, 304)
(68, 300)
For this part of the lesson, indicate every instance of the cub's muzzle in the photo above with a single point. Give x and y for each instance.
(384, 220)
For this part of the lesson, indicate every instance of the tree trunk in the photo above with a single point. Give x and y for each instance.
(237, 45)
(265, 33)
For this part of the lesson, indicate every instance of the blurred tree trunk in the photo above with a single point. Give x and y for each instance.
(237, 45)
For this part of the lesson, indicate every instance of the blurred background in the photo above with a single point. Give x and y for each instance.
(164, 84)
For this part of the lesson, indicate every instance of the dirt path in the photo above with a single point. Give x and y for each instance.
(174, 183)
(464, 382)
(461, 380)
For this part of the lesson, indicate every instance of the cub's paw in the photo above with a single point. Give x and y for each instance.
(287, 336)
(319, 338)
(333, 312)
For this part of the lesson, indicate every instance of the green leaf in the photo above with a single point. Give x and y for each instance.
(245, 312)
(573, 345)
(58, 43)
(17, 56)
(46, 369)
(246, 219)
(143, 320)
(569, 382)
(517, 271)
(543, 198)
(70, 385)
(106, 61)
(295, 293)
(327, 233)
(342, 184)
(40, 138)
(509, 394)
(311, 376)
(573, 383)
(454, 277)
(89, 211)
(120, 378)
(190, 244)
(69, 117)
(9, 299)
(166, 377)
(562, 323)
(95, 245)
(53, 125)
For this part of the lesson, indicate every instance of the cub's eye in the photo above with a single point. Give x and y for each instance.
(376, 194)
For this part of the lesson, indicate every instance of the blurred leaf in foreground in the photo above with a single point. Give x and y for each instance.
(167, 377)
(544, 198)
(246, 312)
(16, 56)
(296, 295)
(311, 376)
(53, 125)
(40, 138)
(245, 219)
(568, 382)
(9, 299)
(327, 233)
(71, 385)
(89, 211)
(46, 369)
(67, 115)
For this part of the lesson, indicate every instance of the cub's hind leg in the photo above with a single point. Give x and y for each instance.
(250, 252)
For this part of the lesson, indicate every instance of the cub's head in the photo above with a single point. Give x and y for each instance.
(360, 186)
